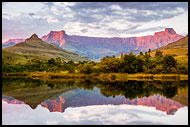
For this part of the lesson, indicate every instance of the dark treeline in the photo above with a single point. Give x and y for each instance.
(126, 63)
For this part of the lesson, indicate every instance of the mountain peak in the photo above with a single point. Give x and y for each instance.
(57, 32)
(56, 37)
(33, 37)
(170, 31)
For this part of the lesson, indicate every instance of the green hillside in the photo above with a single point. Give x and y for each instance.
(12, 57)
(35, 47)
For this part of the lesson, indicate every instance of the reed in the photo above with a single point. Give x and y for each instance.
(102, 76)
(183, 77)
(166, 76)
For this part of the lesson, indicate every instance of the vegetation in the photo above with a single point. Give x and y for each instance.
(127, 63)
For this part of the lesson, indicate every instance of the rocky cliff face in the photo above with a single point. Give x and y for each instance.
(56, 37)
(97, 47)
(55, 105)
(159, 102)
(12, 101)
(59, 103)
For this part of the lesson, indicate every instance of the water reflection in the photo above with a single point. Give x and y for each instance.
(58, 95)
(96, 114)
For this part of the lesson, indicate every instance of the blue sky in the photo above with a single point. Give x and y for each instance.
(95, 19)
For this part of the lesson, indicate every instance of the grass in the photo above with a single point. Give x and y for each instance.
(142, 77)
(178, 52)
(13, 57)
(102, 76)
(183, 77)
(166, 76)
(182, 60)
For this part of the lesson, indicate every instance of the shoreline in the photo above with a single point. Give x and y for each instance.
(101, 76)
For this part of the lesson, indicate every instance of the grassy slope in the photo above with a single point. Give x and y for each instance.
(179, 48)
(12, 57)
(40, 49)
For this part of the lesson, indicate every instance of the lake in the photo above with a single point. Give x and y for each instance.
(28, 101)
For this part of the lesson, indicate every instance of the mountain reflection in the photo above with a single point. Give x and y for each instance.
(57, 95)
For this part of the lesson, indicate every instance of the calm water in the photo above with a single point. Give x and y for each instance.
(29, 101)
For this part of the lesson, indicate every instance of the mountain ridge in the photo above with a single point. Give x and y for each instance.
(35, 46)
(98, 47)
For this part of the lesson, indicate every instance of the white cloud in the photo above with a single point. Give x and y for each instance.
(115, 7)
(59, 15)
(51, 19)
(99, 114)
(15, 8)
(178, 23)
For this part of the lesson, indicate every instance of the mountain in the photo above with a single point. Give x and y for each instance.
(44, 51)
(179, 47)
(181, 43)
(54, 105)
(98, 47)
(11, 42)
(26, 96)
(59, 103)
(55, 37)
(30, 92)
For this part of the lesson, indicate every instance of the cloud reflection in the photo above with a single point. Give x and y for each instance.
(101, 114)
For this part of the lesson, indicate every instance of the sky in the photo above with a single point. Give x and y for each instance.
(94, 19)
(22, 114)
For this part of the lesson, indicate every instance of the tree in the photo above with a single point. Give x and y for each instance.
(51, 61)
(131, 64)
(146, 54)
(121, 54)
(70, 66)
(86, 68)
(58, 61)
(158, 53)
(169, 62)
(149, 50)
(141, 53)
(109, 65)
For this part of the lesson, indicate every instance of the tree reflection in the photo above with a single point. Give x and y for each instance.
(129, 89)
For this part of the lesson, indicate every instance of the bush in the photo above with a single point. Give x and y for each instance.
(157, 70)
(158, 54)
